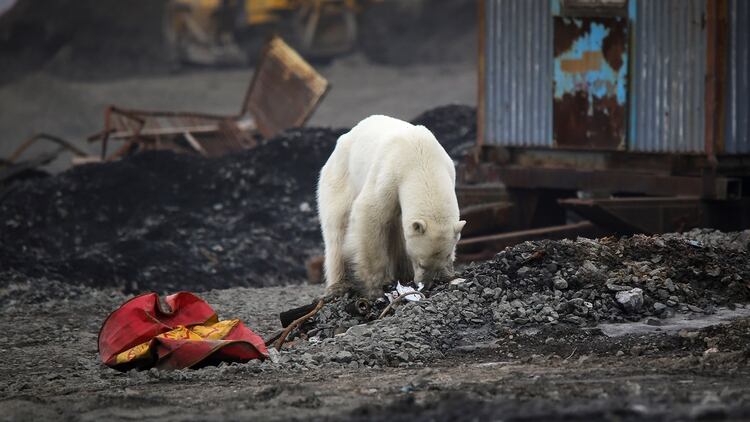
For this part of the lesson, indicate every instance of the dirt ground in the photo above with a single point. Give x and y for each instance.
(51, 372)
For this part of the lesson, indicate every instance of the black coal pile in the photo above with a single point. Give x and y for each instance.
(455, 126)
(162, 221)
(540, 284)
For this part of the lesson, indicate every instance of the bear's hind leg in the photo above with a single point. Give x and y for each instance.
(334, 202)
(368, 241)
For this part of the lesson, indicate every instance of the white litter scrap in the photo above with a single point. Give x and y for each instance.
(274, 355)
(400, 290)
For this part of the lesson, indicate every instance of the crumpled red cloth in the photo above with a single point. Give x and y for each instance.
(140, 334)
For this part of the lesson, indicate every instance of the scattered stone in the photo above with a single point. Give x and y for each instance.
(659, 307)
(559, 283)
(631, 300)
(695, 308)
(344, 356)
(711, 351)
(611, 285)
(653, 321)
(619, 283)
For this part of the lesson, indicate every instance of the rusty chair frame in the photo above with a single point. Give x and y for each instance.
(283, 93)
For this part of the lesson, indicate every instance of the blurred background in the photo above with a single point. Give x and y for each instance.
(63, 61)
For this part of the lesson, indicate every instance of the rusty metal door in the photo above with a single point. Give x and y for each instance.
(590, 82)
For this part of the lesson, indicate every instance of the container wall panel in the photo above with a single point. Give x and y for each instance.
(668, 76)
(737, 133)
(518, 84)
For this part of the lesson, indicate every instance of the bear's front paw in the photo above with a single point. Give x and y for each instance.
(373, 288)
(338, 289)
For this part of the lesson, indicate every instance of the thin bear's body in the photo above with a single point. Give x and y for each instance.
(387, 206)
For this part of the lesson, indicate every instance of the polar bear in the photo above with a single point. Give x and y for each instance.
(387, 207)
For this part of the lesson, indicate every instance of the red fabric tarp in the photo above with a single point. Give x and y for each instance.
(142, 335)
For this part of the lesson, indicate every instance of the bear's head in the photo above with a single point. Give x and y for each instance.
(431, 247)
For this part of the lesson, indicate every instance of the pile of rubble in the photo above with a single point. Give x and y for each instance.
(575, 283)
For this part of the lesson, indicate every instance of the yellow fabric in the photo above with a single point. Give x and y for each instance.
(208, 331)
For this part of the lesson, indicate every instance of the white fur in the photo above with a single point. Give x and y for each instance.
(387, 206)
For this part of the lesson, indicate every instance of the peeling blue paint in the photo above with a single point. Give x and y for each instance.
(555, 7)
(597, 83)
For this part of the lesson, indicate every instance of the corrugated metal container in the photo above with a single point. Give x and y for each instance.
(667, 99)
(737, 134)
(518, 84)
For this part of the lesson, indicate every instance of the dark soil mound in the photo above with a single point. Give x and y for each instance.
(169, 222)
(455, 126)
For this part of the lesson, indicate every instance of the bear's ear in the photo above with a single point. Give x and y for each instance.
(459, 226)
(418, 227)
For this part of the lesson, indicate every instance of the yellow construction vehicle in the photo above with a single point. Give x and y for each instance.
(231, 31)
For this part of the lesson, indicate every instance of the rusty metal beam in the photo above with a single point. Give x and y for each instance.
(486, 218)
(711, 94)
(666, 164)
(614, 181)
(711, 97)
(480, 194)
(641, 215)
(45, 137)
(660, 215)
(485, 247)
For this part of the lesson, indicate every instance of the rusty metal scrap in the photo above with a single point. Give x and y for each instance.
(285, 90)
(62, 143)
(623, 181)
(590, 82)
(654, 215)
(13, 166)
(204, 134)
(283, 93)
(486, 218)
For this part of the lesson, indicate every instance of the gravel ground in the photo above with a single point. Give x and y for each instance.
(577, 283)
(462, 352)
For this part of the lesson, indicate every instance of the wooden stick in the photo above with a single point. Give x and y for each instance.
(399, 299)
(298, 321)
